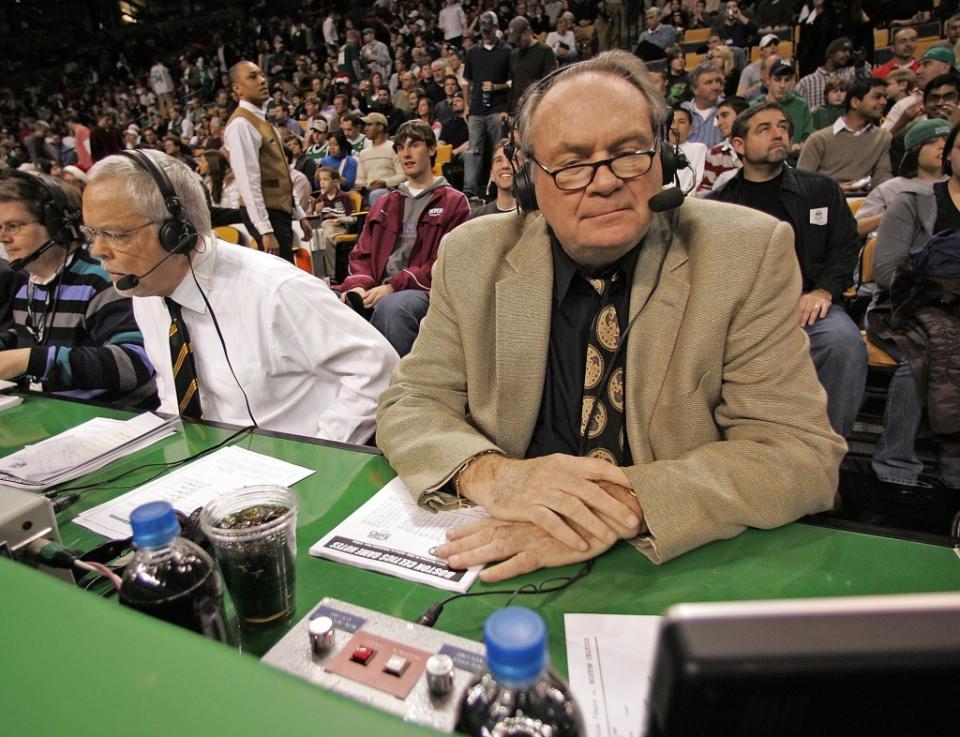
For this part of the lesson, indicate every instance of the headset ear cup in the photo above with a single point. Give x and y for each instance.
(176, 236)
(668, 162)
(523, 189)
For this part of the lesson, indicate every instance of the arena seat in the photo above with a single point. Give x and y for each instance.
(227, 233)
(696, 35)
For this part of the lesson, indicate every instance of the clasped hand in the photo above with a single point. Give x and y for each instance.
(547, 511)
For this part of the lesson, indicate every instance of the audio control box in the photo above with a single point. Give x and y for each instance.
(414, 672)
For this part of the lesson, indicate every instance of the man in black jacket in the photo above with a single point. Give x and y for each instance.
(826, 243)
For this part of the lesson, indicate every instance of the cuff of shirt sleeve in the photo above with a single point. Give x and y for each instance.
(40, 363)
(263, 227)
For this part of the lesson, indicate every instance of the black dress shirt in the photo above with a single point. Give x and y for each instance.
(575, 304)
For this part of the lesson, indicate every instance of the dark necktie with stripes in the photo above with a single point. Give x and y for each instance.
(184, 368)
(602, 419)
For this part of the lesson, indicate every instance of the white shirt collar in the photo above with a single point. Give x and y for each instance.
(250, 107)
(841, 123)
(203, 262)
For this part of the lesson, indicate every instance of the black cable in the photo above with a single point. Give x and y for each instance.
(433, 612)
(223, 344)
(165, 466)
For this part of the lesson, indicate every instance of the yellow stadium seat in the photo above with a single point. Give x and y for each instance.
(696, 35)
(876, 356)
(227, 233)
(694, 59)
(444, 154)
(925, 43)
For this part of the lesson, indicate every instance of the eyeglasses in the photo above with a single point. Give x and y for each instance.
(114, 239)
(945, 97)
(15, 228)
(579, 176)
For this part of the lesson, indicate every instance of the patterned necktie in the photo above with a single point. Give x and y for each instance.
(184, 368)
(602, 418)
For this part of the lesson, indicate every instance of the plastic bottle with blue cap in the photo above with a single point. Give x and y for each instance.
(519, 694)
(171, 578)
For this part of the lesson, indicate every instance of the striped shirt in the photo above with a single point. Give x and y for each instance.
(811, 87)
(84, 342)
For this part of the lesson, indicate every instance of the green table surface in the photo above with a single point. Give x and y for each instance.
(74, 663)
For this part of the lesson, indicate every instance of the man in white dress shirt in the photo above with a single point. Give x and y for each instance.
(260, 166)
(304, 362)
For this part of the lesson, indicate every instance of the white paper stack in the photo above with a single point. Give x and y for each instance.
(81, 450)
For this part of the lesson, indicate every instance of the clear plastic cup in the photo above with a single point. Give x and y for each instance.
(253, 533)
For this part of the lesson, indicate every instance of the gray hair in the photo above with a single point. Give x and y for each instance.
(145, 193)
(617, 63)
(708, 65)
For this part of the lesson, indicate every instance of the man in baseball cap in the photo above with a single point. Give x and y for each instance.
(780, 83)
(751, 79)
(378, 169)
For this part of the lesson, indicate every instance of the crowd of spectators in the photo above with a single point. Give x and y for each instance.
(341, 85)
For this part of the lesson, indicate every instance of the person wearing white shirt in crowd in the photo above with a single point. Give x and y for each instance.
(320, 382)
(260, 167)
(452, 20)
(330, 35)
(691, 175)
(162, 83)
(563, 41)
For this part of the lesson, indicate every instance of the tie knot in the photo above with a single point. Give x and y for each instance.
(602, 284)
(172, 307)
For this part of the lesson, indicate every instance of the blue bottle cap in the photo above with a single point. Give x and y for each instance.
(516, 640)
(154, 524)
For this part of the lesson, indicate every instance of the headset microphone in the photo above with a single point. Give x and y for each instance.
(130, 281)
(18, 263)
(667, 199)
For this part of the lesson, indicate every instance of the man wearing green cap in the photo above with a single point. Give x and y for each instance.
(936, 60)
(853, 148)
(921, 167)
(375, 54)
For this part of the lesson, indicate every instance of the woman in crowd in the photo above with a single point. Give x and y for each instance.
(911, 220)
(218, 179)
(303, 163)
(678, 86)
(920, 168)
(722, 58)
(425, 113)
(339, 159)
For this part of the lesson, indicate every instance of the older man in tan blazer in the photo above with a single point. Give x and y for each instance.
(724, 422)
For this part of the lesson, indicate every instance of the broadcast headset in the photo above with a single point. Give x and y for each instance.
(176, 233)
(672, 160)
(60, 219)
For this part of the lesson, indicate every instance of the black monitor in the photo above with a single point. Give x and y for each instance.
(883, 665)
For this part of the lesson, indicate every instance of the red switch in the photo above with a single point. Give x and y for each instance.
(363, 655)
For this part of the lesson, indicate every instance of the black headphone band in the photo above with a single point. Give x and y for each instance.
(176, 233)
(170, 199)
